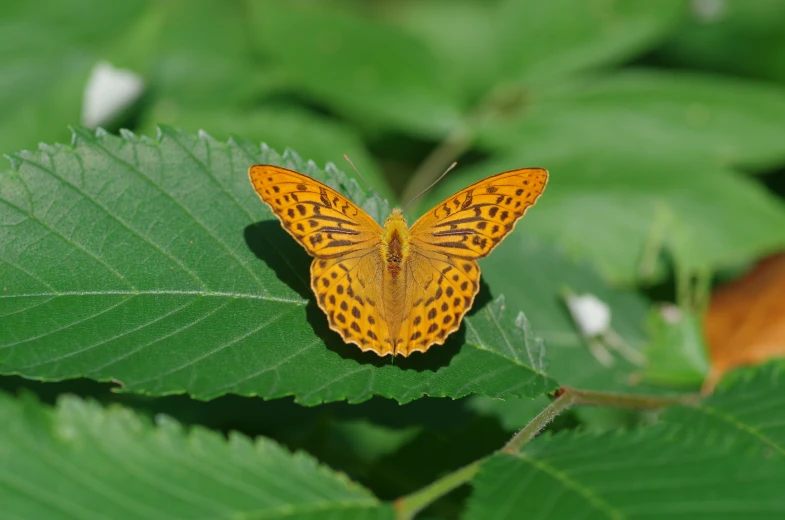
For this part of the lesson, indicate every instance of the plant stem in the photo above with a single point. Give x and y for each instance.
(459, 139)
(456, 143)
(536, 425)
(641, 402)
(408, 506)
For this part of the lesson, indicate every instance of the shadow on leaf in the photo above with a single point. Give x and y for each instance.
(272, 244)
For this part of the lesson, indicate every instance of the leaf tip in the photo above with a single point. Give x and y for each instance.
(204, 136)
(129, 135)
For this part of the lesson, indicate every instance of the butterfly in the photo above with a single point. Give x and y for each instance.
(393, 289)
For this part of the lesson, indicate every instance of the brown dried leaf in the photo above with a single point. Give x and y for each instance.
(745, 323)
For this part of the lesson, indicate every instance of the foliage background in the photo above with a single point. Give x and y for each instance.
(662, 124)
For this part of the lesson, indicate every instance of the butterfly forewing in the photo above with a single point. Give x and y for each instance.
(473, 221)
(322, 220)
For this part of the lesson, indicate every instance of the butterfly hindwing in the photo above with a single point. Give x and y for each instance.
(322, 220)
(349, 292)
(473, 221)
(442, 291)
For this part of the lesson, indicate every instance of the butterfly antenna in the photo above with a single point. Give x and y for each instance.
(366, 182)
(453, 165)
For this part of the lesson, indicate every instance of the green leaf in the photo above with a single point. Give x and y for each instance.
(534, 274)
(154, 264)
(621, 211)
(689, 467)
(365, 69)
(678, 352)
(628, 476)
(749, 408)
(319, 138)
(82, 461)
(660, 115)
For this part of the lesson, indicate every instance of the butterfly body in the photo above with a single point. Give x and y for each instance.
(393, 289)
(395, 243)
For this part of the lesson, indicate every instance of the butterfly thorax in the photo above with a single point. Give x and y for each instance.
(395, 243)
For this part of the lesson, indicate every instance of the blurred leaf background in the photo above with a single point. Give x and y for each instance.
(662, 124)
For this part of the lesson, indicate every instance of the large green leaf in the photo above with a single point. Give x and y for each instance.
(700, 465)
(81, 461)
(154, 264)
(751, 409)
(620, 211)
(658, 114)
(628, 476)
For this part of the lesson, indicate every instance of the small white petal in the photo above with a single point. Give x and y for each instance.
(591, 315)
(108, 92)
(671, 314)
(709, 11)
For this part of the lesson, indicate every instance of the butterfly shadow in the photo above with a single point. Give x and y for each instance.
(271, 244)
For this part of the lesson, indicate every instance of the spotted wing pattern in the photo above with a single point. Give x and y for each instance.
(442, 291)
(439, 277)
(322, 220)
(349, 291)
(473, 221)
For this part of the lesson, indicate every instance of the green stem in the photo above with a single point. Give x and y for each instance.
(456, 143)
(408, 506)
(460, 139)
(536, 425)
(640, 402)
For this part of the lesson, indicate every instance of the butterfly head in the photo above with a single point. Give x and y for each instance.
(396, 217)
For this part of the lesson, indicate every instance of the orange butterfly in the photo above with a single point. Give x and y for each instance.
(395, 289)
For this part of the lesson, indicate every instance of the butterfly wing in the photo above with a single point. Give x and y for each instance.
(473, 221)
(440, 291)
(347, 268)
(444, 246)
(349, 291)
(322, 220)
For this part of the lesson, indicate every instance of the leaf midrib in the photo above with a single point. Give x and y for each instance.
(217, 294)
